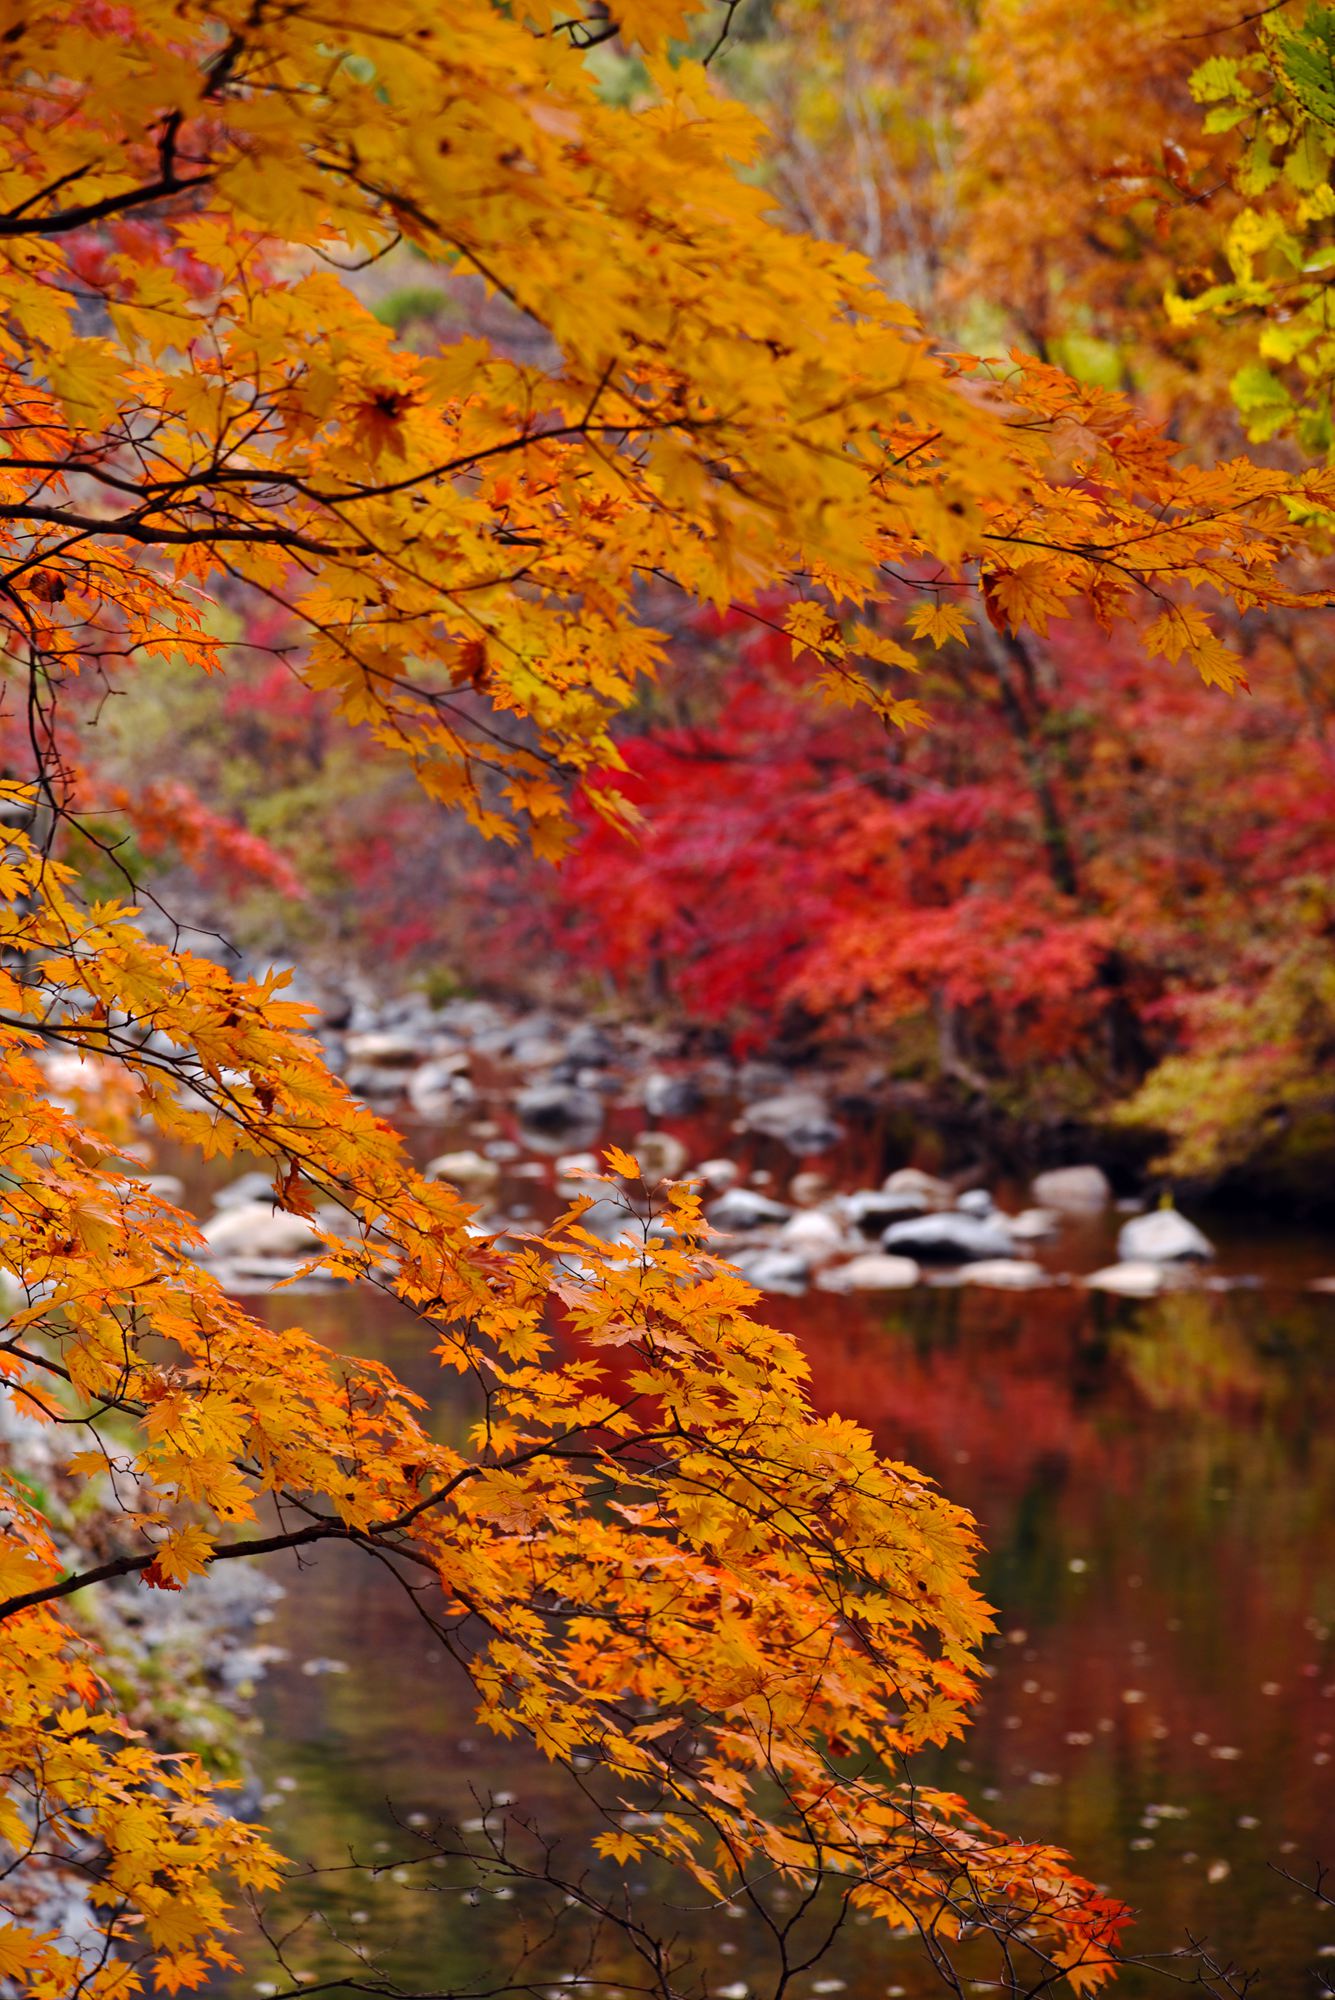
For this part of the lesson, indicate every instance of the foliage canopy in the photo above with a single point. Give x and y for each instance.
(729, 1604)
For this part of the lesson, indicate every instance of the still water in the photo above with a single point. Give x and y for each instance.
(1155, 1483)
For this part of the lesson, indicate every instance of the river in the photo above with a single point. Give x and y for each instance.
(1155, 1484)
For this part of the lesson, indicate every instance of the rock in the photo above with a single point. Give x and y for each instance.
(1161, 1237)
(1031, 1224)
(167, 1187)
(1071, 1187)
(573, 1171)
(743, 1208)
(775, 1270)
(720, 1174)
(243, 1275)
(667, 1096)
(872, 1272)
(814, 1233)
(930, 1191)
(336, 1221)
(661, 1156)
(536, 1044)
(384, 1048)
(976, 1201)
(799, 1118)
(871, 1210)
(949, 1238)
(1007, 1274)
(371, 1081)
(590, 1045)
(808, 1187)
(470, 1172)
(757, 1078)
(253, 1230)
(554, 1107)
(441, 1084)
(246, 1189)
(1129, 1280)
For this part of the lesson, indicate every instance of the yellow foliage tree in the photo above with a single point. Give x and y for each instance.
(729, 1603)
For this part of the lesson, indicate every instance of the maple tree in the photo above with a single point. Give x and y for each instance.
(729, 1603)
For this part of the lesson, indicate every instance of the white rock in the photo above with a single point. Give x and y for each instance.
(661, 1155)
(808, 1187)
(1007, 1274)
(912, 1180)
(167, 1187)
(383, 1048)
(1031, 1224)
(720, 1174)
(1161, 1237)
(573, 1171)
(466, 1170)
(813, 1232)
(1071, 1187)
(871, 1273)
(440, 1084)
(254, 1229)
(1129, 1280)
(257, 1185)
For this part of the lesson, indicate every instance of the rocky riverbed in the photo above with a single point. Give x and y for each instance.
(813, 1176)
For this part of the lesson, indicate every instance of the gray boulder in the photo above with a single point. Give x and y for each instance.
(949, 1238)
(775, 1270)
(590, 1045)
(553, 1107)
(666, 1096)
(1161, 1237)
(742, 1208)
(439, 1085)
(873, 1209)
(800, 1118)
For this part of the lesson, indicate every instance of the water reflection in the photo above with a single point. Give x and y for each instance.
(1155, 1482)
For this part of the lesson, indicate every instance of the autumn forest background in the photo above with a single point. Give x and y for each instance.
(1075, 890)
(667, 849)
